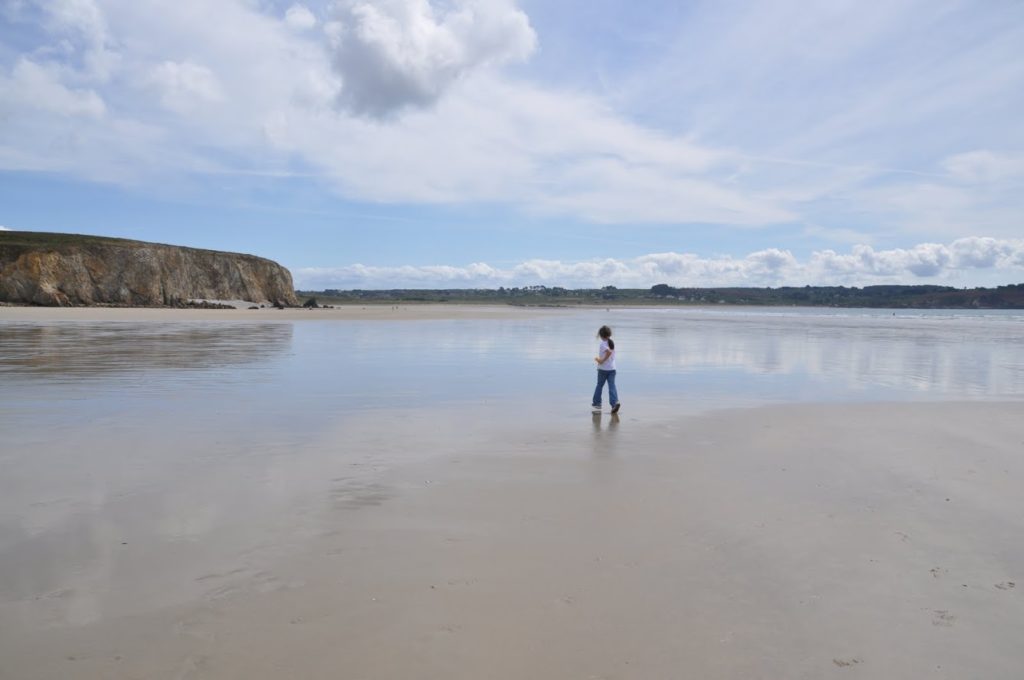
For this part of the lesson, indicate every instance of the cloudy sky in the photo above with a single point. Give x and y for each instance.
(478, 143)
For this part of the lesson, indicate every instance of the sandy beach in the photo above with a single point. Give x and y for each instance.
(729, 546)
(511, 340)
(870, 540)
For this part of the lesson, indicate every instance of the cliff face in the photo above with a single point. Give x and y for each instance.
(66, 269)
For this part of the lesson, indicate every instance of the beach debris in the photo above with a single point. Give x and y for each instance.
(205, 304)
(843, 663)
(1006, 585)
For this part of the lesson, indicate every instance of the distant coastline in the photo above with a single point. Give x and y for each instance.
(887, 297)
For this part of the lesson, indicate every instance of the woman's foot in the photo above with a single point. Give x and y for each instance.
(595, 408)
(615, 409)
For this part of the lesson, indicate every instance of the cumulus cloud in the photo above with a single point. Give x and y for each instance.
(863, 265)
(395, 54)
(3, 228)
(982, 253)
(922, 261)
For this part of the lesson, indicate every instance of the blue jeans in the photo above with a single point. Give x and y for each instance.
(613, 394)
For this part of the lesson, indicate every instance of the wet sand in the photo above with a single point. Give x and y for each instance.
(835, 541)
(267, 314)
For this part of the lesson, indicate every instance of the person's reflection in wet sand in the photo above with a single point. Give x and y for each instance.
(605, 439)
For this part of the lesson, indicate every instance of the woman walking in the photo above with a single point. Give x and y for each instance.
(605, 371)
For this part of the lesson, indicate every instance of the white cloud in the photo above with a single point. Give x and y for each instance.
(924, 263)
(395, 54)
(36, 87)
(82, 27)
(549, 153)
(978, 191)
(3, 228)
(184, 85)
(300, 18)
(984, 166)
(926, 260)
(76, 16)
(981, 253)
(742, 127)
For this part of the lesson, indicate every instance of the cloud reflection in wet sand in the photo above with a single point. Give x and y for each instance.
(76, 351)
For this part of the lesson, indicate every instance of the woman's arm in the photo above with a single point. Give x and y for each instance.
(604, 356)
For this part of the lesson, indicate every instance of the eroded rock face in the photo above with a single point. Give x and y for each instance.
(66, 269)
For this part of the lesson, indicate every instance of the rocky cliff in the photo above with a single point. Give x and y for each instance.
(68, 269)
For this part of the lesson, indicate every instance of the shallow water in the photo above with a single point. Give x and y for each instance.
(205, 441)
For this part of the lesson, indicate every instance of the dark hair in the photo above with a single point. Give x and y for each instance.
(605, 333)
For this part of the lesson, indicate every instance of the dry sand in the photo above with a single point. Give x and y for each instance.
(864, 541)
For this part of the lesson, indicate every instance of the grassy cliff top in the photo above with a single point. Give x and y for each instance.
(57, 241)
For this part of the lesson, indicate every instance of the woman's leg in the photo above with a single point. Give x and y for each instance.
(613, 394)
(601, 377)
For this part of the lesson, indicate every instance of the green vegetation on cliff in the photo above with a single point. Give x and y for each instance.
(58, 241)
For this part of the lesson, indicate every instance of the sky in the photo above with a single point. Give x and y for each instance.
(486, 143)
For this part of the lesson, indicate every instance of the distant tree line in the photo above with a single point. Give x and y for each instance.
(895, 297)
(889, 296)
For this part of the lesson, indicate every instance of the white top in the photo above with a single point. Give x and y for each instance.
(609, 363)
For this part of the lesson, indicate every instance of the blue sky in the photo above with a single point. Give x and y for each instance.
(473, 143)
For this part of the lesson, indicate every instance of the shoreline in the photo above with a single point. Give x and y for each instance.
(269, 314)
(419, 312)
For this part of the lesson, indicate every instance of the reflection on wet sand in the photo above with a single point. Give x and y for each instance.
(956, 357)
(80, 350)
(605, 441)
(598, 421)
(157, 472)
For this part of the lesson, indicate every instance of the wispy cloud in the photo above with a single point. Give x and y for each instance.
(185, 86)
(862, 265)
